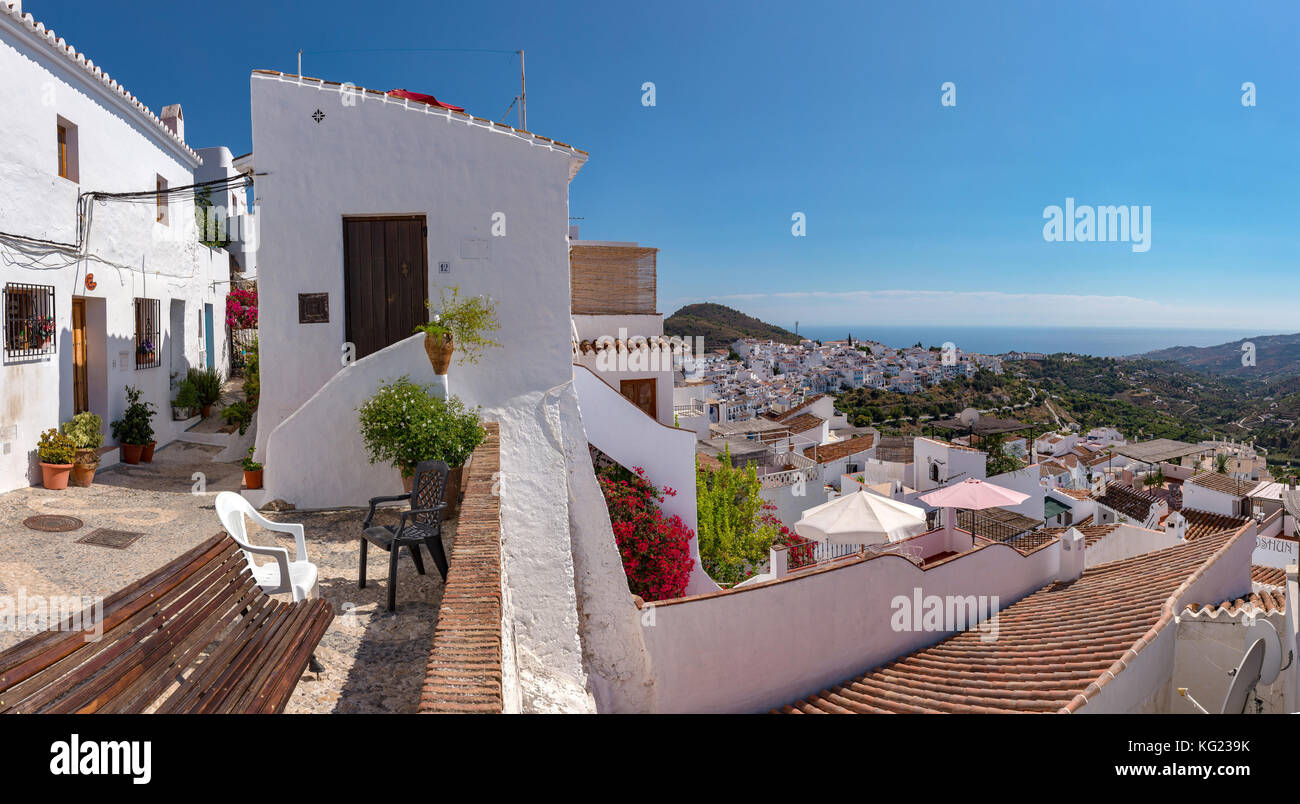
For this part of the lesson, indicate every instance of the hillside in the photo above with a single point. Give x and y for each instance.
(1276, 357)
(720, 326)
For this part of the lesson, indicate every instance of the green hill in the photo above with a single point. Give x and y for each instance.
(721, 326)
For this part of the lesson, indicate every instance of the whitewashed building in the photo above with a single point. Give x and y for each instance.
(104, 281)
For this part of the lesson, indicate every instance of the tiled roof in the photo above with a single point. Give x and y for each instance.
(1078, 494)
(464, 670)
(840, 449)
(1091, 533)
(1224, 484)
(384, 97)
(1205, 523)
(1127, 501)
(1055, 648)
(1266, 600)
(785, 415)
(945, 443)
(1270, 576)
(59, 46)
(803, 423)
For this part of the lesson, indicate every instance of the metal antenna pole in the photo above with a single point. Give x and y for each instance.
(523, 95)
(300, 64)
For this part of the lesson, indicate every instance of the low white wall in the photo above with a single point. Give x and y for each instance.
(667, 454)
(316, 458)
(1127, 541)
(767, 645)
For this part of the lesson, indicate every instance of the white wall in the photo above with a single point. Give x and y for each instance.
(1126, 541)
(127, 251)
(770, 644)
(1200, 498)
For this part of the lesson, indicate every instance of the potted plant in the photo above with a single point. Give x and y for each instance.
(461, 322)
(144, 351)
(134, 431)
(186, 401)
(87, 432)
(252, 471)
(405, 423)
(207, 386)
(56, 452)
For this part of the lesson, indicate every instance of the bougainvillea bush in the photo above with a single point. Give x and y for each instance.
(655, 549)
(801, 549)
(241, 309)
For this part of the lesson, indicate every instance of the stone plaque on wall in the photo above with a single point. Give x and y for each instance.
(313, 308)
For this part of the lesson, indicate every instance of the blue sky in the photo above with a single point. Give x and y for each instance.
(916, 213)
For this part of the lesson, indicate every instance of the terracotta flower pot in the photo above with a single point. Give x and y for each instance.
(454, 492)
(146, 454)
(205, 411)
(54, 476)
(253, 480)
(83, 474)
(131, 453)
(439, 351)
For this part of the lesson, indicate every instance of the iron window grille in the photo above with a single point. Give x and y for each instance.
(148, 349)
(30, 325)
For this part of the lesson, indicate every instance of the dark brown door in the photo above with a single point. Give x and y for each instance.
(641, 393)
(385, 280)
(80, 396)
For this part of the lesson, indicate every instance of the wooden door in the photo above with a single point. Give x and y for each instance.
(642, 394)
(385, 280)
(80, 394)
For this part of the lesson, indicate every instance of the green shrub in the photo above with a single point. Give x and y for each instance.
(240, 413)
(136, 424)
(467, 320)
(85, 429)
(405, 423)
(207, 385)
(55, 447)
(248, 463)
(732, 534)
(187, 396)
(252, 379)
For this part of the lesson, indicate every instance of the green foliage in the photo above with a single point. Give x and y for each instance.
(467, 320)
(732, 540)
(136, 424)
(240, 413)
(187, 395)
(55, 447)
(405, 423)
(252, 376)
(733, 355)
(207, 385)
(211, 230)
(248, 463)
(998, 461)
(1221, 463)
(85, 429)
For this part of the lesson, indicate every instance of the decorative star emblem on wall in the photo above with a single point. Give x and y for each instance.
(318, 116)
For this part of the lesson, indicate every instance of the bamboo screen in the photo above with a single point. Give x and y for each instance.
(612, 279)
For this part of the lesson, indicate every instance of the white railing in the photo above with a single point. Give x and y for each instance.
(804, 468)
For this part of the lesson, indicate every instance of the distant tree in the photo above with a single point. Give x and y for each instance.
(733, 355)
(732, 535)
(998, 460)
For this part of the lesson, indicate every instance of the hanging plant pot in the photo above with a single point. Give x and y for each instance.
(439, 350)
(54, 476)
(131, 453)
(146, 452)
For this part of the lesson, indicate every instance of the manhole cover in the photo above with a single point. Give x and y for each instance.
(53, 523)
(107, 537)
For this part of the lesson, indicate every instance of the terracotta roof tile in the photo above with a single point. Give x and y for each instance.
(1269, 576)
(840, 449)
(1053, 648)
(1223, 484)
(1128, 501)
(1205, 523)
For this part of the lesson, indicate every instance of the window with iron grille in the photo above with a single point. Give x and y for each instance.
(30, 327)
(148, 349)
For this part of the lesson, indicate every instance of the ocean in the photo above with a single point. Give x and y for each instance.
(1096, 341)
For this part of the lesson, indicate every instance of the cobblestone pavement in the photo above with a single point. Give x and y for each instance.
(374, 660)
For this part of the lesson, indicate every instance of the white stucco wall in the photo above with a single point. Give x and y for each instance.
(127, 251)
(1126, 541)
(768, 645)
(1200, 498)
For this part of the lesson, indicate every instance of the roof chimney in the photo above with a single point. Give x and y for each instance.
(16, 6)
(174, 120)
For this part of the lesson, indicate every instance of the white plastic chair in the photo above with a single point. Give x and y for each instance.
(301, 573)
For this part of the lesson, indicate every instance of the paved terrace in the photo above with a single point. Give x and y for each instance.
(374, 661)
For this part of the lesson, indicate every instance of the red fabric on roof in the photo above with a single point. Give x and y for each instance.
(422, 98)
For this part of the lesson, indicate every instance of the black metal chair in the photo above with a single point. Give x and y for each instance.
(421, 523)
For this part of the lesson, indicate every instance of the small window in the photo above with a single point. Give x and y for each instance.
(162, 200)
(148, 352)
(67, 150)
(30, 327)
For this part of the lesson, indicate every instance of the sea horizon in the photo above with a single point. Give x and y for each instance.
(1093, 341)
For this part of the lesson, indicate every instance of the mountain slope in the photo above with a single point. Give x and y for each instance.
(1276, 357)
(720, 326)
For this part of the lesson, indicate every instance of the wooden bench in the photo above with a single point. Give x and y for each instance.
(197, 635)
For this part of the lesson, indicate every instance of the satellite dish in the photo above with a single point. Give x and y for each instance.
(969, 417)
(1244, 679)
(1264, 630)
